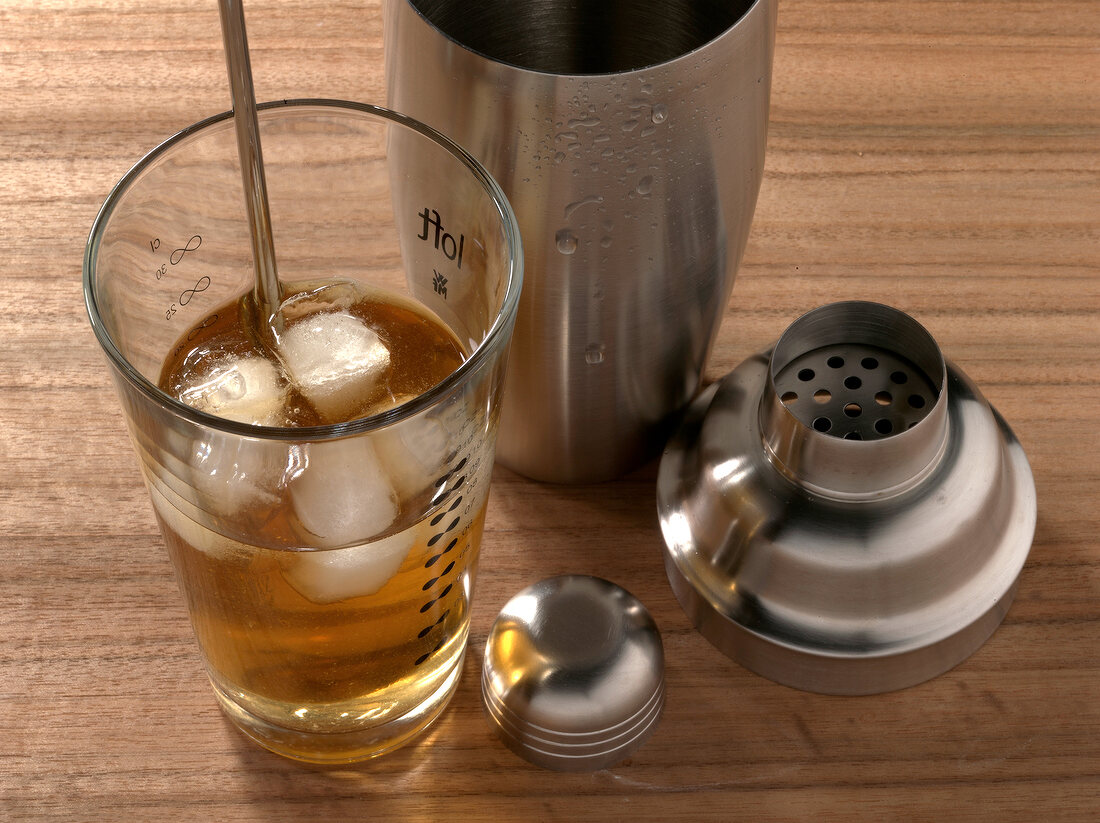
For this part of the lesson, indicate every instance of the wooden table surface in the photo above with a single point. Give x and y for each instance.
(942, 157)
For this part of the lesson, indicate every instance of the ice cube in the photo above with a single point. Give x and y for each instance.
(336, 361)
(342, 496)
(232, 473)
(340, 574)
(322, 296)
(248, 390)
(194, 534)
(415, 453)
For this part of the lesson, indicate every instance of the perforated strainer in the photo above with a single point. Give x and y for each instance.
(856, 392)
(846, 513)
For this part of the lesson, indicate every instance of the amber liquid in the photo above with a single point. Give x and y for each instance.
(305, 657)
(422, 350)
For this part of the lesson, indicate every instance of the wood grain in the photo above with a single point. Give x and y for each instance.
(942, 157)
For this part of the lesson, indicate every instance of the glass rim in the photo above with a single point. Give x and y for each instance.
(494, 338)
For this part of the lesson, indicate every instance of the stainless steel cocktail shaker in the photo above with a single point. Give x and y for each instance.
(630, 142)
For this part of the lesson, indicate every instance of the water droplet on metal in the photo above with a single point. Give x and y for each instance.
(594, 354)
(660, 113)
(585, 122)
(566, 240)
(584, 201)
(645, 185)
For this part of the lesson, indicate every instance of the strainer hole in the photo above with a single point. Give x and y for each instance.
(823, 395)
(852, 382)
(853, 436)
(853, 410)
(900, 378)
(806, 375)
(869, 363)
(835, 362)
(916, 401)
(823, 424)
(884, 426)
(884, 398)
(789, 397)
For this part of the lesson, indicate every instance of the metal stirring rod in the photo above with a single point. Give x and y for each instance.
(266, 291)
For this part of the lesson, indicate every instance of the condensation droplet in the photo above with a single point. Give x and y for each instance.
(566, 240)
(584, 201)
(584, 122)
(660, 113)
(645, 185)
(594, 354)
(559, 157)
(605, 242)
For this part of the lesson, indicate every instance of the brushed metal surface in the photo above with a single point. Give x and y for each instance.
(629, 139)
(573, 674)
(836, 564)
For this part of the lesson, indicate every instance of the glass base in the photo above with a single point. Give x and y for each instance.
(347, 746)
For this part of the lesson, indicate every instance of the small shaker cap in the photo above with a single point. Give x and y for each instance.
(573, 676)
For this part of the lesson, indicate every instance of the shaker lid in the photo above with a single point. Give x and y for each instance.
(846, 513)
(573, 674)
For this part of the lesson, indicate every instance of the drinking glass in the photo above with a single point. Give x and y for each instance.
(327, 569)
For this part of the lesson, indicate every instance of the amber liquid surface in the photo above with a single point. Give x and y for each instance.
(324, 652)
(422, 351)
